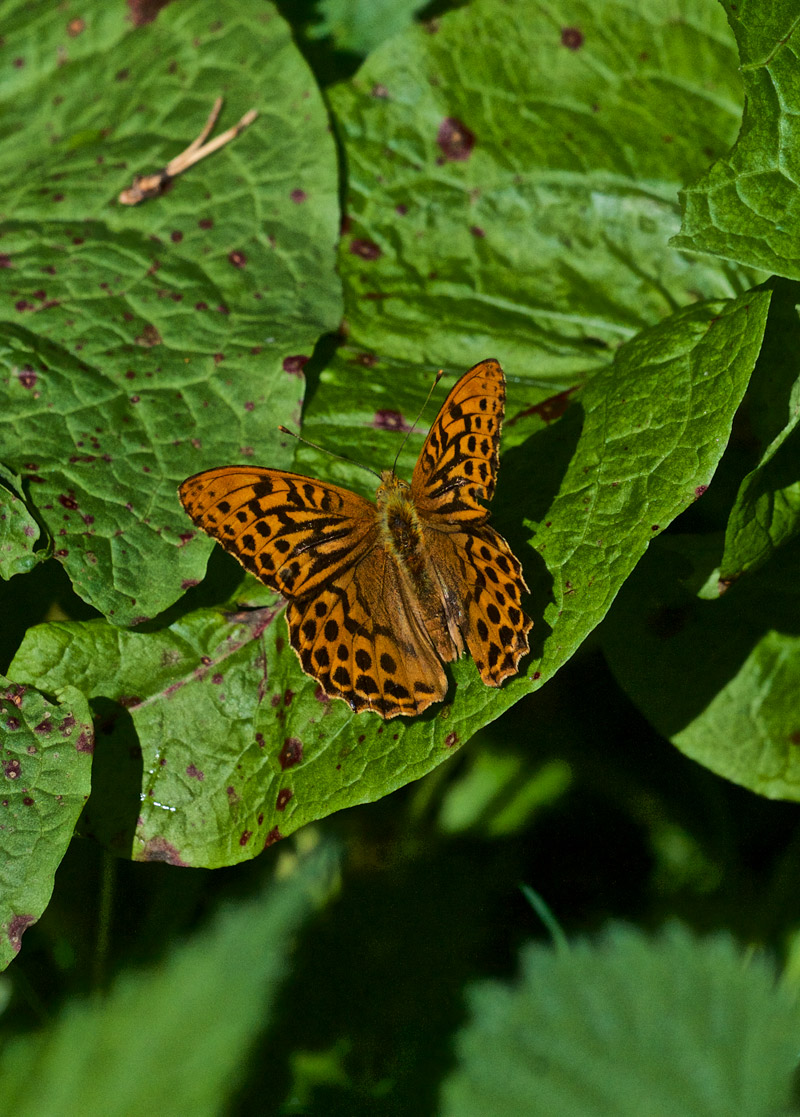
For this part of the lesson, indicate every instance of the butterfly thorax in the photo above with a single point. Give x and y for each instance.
(406, 538)
(399, 523)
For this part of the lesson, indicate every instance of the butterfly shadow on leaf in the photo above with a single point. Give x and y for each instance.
(528, 483)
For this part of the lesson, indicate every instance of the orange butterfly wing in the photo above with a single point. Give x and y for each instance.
(453, 480)
(349, 617)
(364, 642)
(293, 533)
(456, 470)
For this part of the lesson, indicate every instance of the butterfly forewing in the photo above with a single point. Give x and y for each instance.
(293, 533)
(455, 474)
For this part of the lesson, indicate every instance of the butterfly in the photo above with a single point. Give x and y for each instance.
(381, 595)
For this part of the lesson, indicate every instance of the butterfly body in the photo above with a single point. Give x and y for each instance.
(381, 595)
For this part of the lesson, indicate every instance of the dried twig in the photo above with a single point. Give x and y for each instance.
(150, 186)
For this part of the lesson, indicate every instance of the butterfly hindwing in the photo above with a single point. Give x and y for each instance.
(455, 474)
(293, 533)
(360, 646)
(497, 633)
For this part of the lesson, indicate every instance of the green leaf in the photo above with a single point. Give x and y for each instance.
(146, 343)
(173, 1038)
(361, 25)
(513, 173)
(719, 677)
(746, 207)
(45, 771)
(766, 513)
(239, 747)
(628, 1025)
(18, 530)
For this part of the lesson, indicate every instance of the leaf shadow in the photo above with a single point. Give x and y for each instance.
(528, 483)
(674, 652)
(112, 809)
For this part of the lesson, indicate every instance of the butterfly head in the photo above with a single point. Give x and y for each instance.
(391, 489)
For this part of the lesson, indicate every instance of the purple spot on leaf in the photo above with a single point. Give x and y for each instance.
(455, 140)
(366, 249)
(294, 365)
(291, 753)
(571, 38)
(386, 420)
(159, 849)
(17, 928)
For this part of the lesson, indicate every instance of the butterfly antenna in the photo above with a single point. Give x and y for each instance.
(411, 429)
(325, 450)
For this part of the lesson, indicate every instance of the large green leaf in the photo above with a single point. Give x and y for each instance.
(628, 1026)
(143, 344)
(239, 747)
(719, 677)
(512, 181)
(173, 1038)
(746, 207)
(45, 767)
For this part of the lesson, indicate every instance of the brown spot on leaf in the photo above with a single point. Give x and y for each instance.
(571, 38)
(159, 849)
(145, 11)
(149, 337)
(238, 259)
(294, 365)
(549, 409)
(273, 837)
(17, 927)
(291, 753)
(284, 795)
(366, 249)
(194, 773)
(455, 140)
(387, 420)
